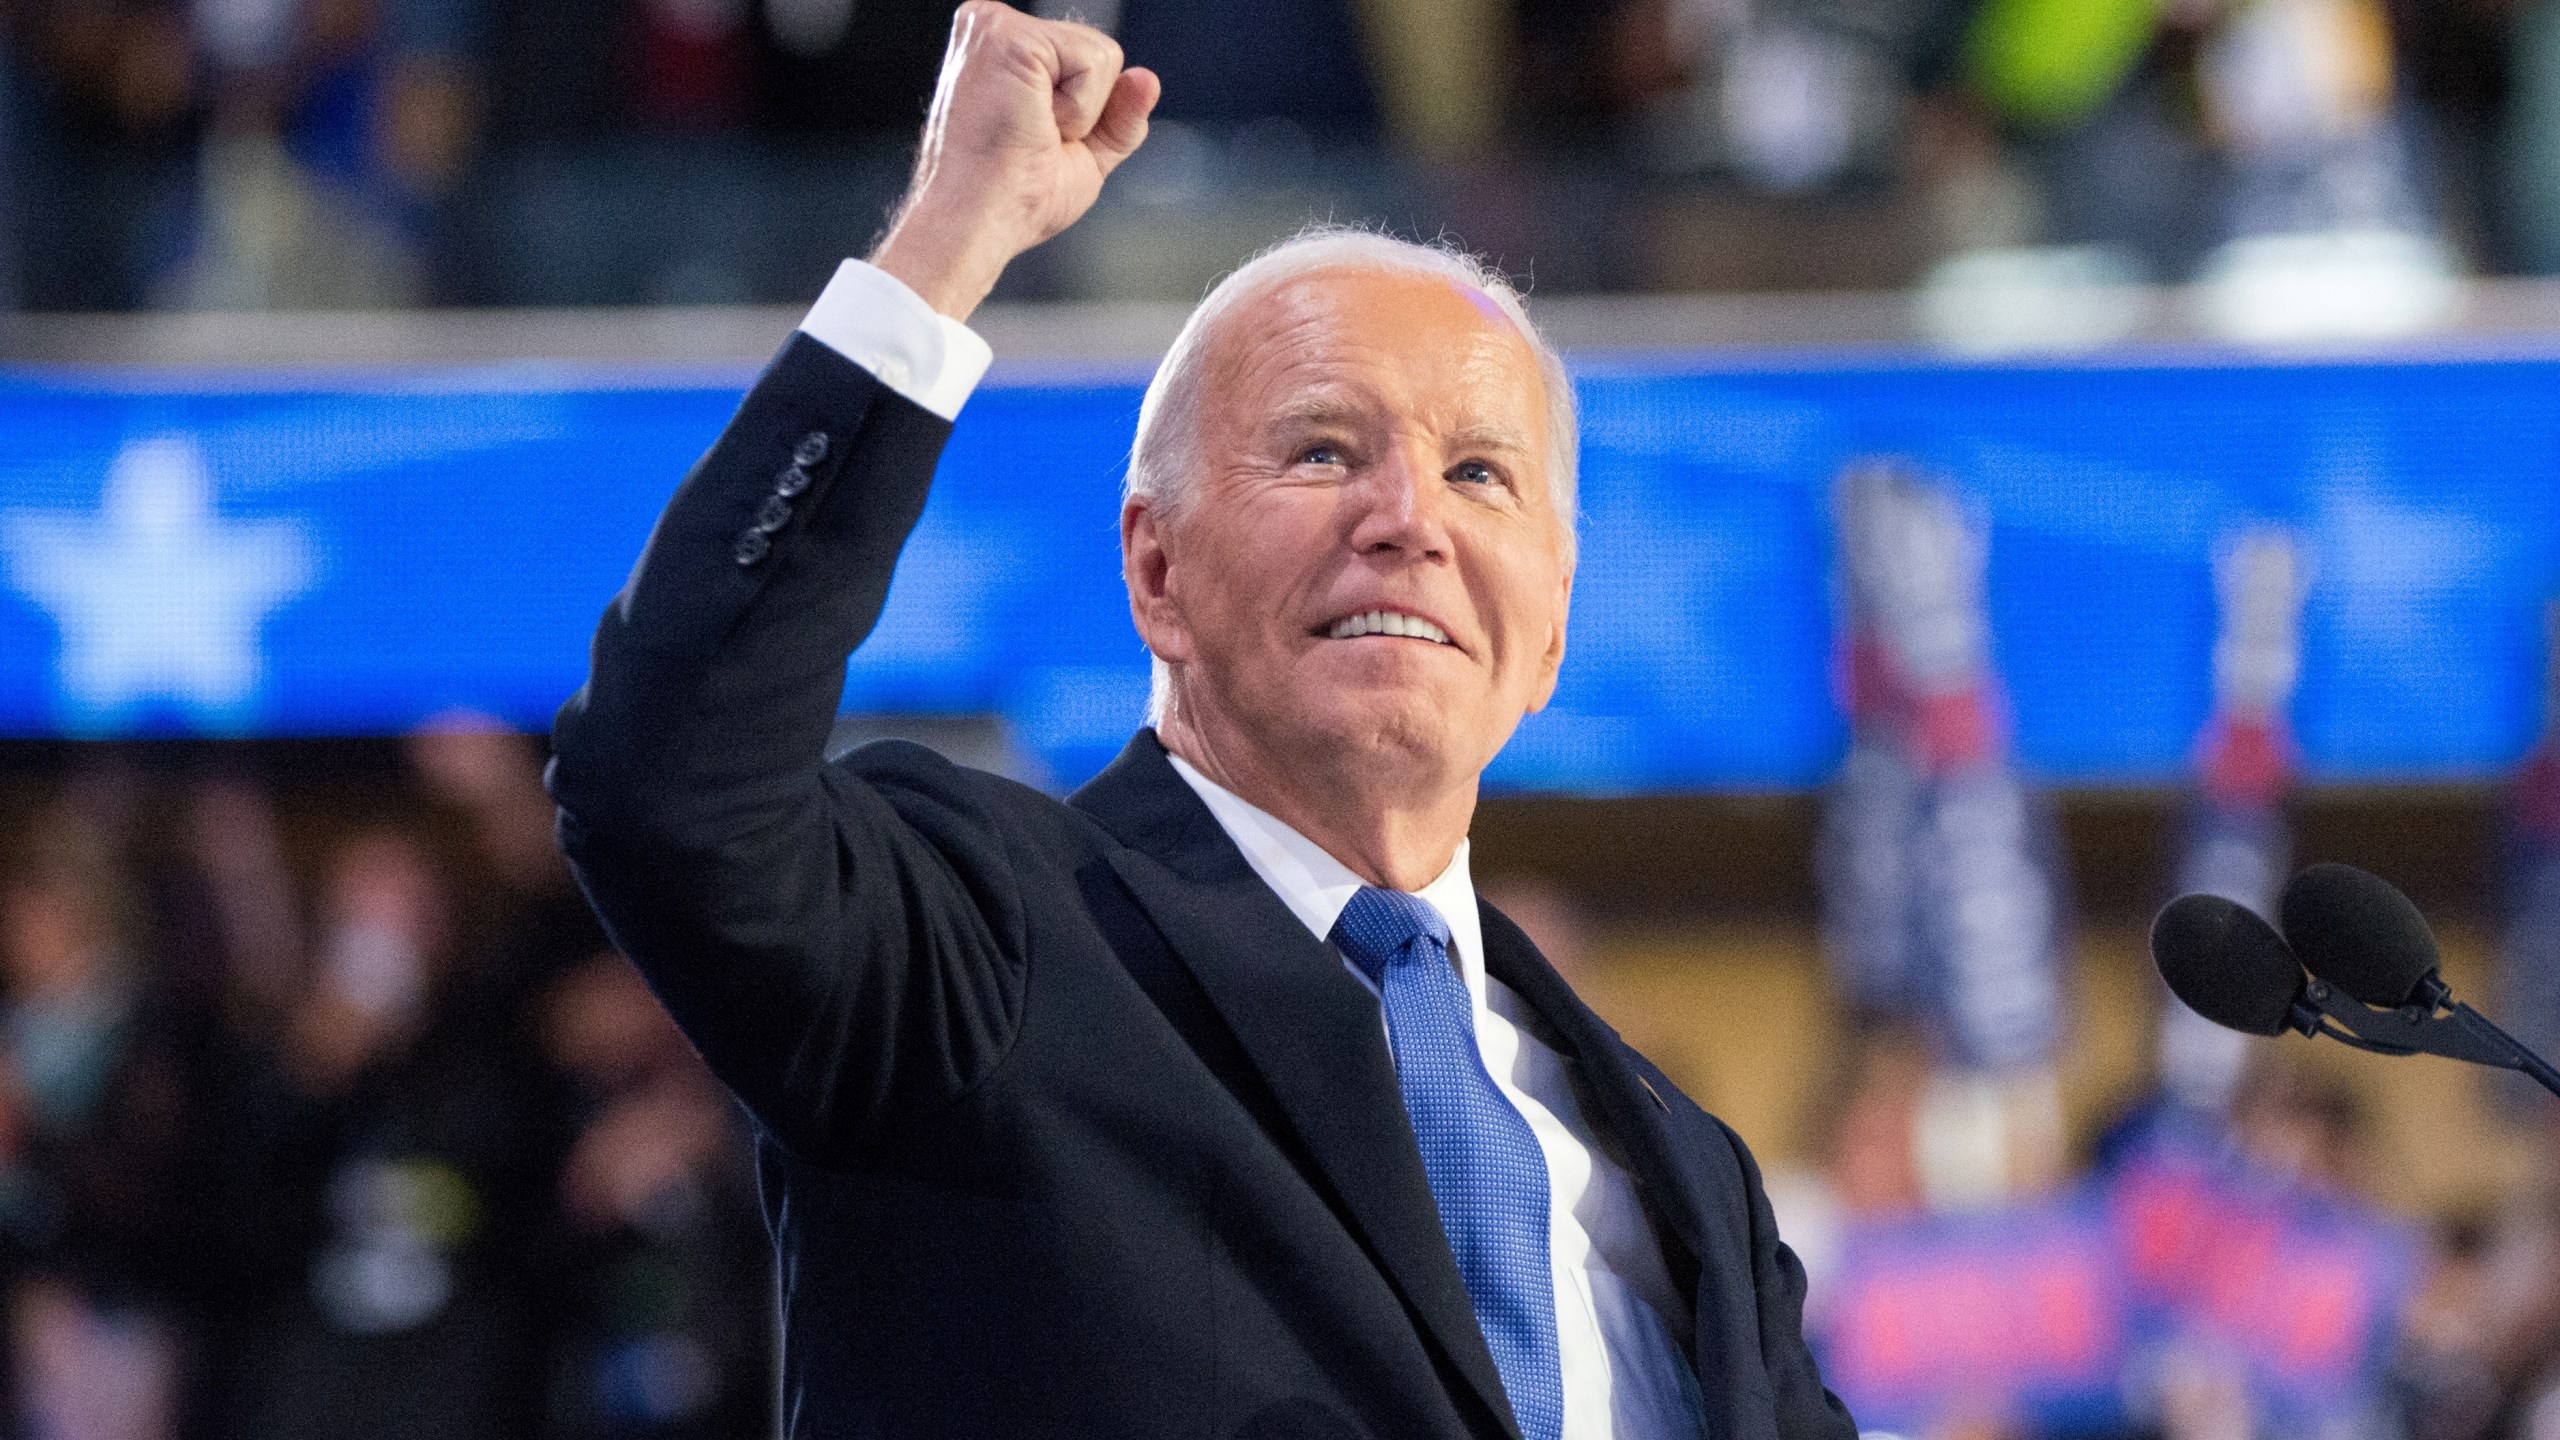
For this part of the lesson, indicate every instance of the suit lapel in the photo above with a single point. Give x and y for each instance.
(1311, 1031)
(1686, 1199)
(1635, 1115)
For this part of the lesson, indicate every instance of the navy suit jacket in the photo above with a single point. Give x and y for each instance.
(1067, 1126)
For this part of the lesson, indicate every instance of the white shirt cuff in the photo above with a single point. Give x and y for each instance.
(871, 318)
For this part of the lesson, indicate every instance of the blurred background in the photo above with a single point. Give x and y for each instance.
(2040, 457)
(230, 154)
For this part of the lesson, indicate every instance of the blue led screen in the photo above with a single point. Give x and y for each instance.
(247, 554)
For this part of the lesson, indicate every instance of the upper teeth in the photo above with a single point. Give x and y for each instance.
(1388, 622)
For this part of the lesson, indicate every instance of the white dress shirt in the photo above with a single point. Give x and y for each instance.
(871, 318)
(1623, 1332)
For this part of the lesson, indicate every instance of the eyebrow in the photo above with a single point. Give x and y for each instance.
(1345, 410)
(1321, 409)
(1488, 437)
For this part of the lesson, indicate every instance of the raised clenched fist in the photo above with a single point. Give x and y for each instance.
(1027, 119)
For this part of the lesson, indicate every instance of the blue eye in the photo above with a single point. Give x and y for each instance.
(1474, 472)
(1320, 455)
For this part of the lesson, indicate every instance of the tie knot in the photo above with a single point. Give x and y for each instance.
(1378, 928)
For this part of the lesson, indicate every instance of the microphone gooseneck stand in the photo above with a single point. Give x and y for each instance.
(2433, 1023)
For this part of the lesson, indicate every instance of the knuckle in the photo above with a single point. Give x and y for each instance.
(1082, 38)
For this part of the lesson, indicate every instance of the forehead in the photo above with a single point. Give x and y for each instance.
(1422, 343)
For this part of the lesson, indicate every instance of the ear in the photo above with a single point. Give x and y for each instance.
(1553, 661)
(1146, 566)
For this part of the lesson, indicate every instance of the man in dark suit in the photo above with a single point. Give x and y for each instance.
(1209, 1102)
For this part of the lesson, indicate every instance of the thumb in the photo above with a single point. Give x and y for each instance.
(1122, 126)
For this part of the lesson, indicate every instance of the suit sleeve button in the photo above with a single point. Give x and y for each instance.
(790, 482)
(775, 514)
(753, 545)
(811, 450)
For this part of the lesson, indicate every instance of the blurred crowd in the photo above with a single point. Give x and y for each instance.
(233, 154)
(2214, 1263)
(378, 1139)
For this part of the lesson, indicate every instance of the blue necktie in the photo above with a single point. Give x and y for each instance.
(1487, 1175)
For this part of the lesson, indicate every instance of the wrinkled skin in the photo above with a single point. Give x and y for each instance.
(1369, 441)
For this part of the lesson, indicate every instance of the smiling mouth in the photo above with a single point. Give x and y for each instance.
(1386, 622)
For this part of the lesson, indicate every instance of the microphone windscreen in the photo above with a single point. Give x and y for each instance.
(2228, 965)
(2359, 933)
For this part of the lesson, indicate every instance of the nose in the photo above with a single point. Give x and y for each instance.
(1396, 509)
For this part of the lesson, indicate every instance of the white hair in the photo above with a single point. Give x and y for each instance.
(1165, 456)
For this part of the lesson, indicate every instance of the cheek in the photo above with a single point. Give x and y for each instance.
(1528, 610)
(1248, 566)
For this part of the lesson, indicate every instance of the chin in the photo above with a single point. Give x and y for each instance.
(1403, 727)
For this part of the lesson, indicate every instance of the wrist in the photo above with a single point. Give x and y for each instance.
(950, 265)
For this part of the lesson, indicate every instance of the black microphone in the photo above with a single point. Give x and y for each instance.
(2359, 933)
(2373, 962)
(2229, 966)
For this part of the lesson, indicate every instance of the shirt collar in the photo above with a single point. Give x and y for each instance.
(1316, 887)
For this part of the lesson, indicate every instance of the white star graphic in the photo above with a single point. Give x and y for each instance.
(157, 597)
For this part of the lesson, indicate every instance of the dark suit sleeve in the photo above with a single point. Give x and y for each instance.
(1806, 1410)
(842, 943)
